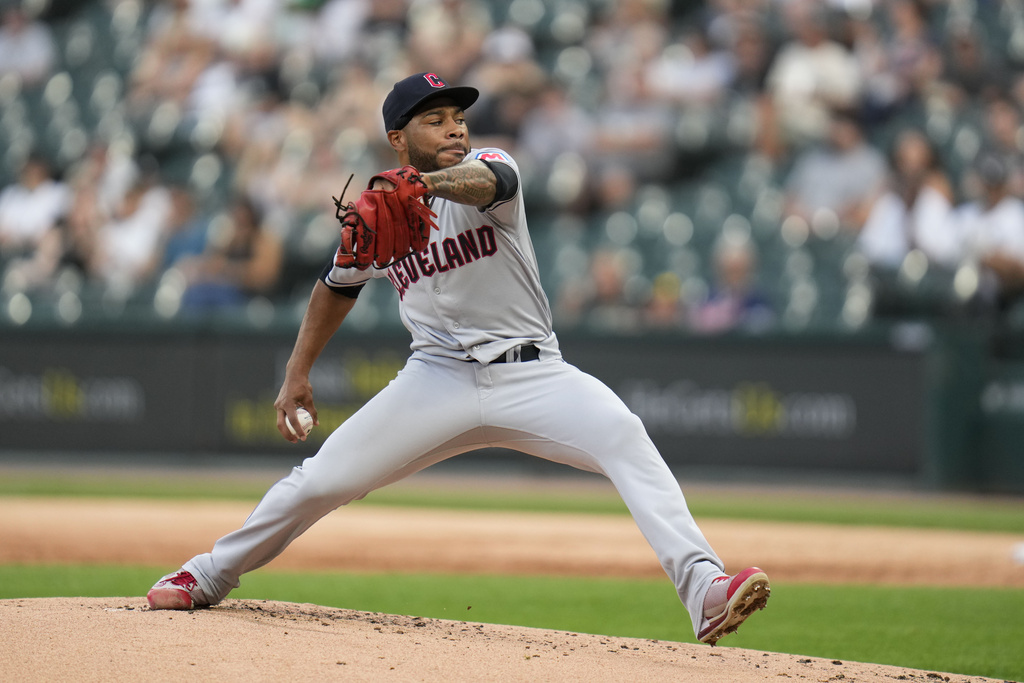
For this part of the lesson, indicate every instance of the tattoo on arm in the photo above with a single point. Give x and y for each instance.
(466, 183)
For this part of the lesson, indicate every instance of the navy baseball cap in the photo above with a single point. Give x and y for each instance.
(411, 93)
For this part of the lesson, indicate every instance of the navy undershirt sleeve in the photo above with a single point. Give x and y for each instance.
(351, 291)
(507, 181)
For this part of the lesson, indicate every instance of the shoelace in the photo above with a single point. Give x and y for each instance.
(184, 579)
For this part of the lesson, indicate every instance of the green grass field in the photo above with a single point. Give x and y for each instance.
(966, 631)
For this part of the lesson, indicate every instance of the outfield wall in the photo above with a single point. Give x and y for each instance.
(904, 402)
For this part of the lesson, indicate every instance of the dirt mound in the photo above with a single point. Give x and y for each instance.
(121, 639)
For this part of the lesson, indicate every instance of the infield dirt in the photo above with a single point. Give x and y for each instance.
(120, 639)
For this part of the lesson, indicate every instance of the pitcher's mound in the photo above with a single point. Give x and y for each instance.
(121, 639)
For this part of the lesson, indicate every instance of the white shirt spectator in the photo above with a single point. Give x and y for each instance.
(553, 127)
(27, 214)
(215, 92)
(999, 229)
(335, 35)
(26, 48)
(993, 238)
(127, 248)
(893, 229)
(237, 25)
(690, 72)
(811, 75)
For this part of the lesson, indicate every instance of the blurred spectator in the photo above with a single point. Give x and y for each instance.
(243, 258)
(259, 118)
(30, 234)
(915, 209)
(338, 27)
(177, 50)
(216, 92)
(106, 171)
(601, 300)
(271, 143)
(36, 269)
(752, 56)
(895, 54)
(83, 222)
(126, 252)
(836, 181)
(509, 80)
(243, 29)
(100, 182)
(724, 18)
(691, 70)
(1005, 135)
(445, 36)
(351, 106)
(734, 300)
(973, 68)
(633, 135)
(27, 47)
(300, 171)
(197, 55)
(272, 169)
(666, 307)
(811, 75)
(388, 13)
(992, 232)
(629, 32)
(324, 176)
(30, 207)
(752, 53)
(185, 233)
(555, 126)
(632, 131)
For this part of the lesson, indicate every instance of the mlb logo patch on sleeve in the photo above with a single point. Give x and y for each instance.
(493, 156)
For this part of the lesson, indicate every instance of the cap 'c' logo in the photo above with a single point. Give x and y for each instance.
(434, 80)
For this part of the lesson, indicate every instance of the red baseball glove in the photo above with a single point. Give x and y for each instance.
(384, 225)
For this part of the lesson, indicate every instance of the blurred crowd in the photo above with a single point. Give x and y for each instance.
(702, 166)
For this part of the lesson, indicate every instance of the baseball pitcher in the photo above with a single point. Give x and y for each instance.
(447, 229)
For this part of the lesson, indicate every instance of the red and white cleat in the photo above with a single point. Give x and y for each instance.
(730, 600)
(179, 590)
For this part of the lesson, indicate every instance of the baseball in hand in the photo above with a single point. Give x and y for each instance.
(305, 421)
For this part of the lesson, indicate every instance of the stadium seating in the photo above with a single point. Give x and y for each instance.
(671, 226)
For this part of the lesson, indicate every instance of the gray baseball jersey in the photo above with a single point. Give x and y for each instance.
(484, 251)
